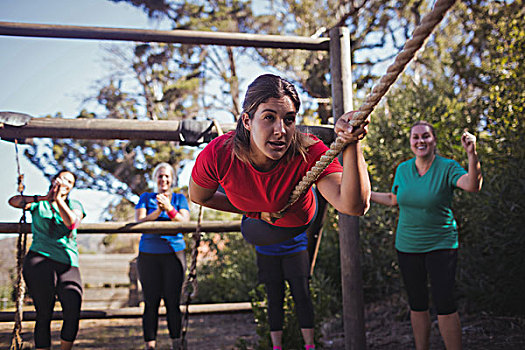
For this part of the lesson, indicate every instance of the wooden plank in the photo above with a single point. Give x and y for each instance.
(136, 312)
(126, 129)
(153, 227)
(167, 36)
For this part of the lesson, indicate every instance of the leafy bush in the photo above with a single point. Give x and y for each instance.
(229, 274)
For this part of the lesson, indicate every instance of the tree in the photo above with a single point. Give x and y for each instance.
(163, 88)
(469, 77)
(493, 241)
(167, 81)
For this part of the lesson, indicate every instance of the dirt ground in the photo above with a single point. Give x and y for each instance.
(385, 330)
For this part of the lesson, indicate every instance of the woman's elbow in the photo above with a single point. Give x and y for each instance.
(195, 199)
(358, 209)
(363, 209)
(474, 188)
(192, 197)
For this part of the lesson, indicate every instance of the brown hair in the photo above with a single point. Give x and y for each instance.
(259, 91)
(422, 122)
(61, 172)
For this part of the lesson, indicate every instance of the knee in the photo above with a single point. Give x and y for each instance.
(445, 309)
(445, 303)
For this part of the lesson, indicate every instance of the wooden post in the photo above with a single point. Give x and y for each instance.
(351, 272)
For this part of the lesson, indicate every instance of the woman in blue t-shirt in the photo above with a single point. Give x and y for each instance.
(51, 265)
(426, 235)
(161, 262)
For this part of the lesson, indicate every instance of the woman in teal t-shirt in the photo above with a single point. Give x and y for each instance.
(426, 235)
(51, 265)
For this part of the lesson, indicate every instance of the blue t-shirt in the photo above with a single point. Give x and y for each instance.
(426, 221)
(155, 243)
(293, 245)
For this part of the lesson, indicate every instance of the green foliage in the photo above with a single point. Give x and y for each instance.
(378, 30)
(7, 293)
(229, 272)
(379, 263)
(492, 223)
(486, 96)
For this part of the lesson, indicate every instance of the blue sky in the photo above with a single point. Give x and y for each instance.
(45, 76)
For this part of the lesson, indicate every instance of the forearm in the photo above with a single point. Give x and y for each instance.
(141, 217)
(355, 182)
(181, 215)
(385, 198)
(69, 217)
(475, 179)
(472, 180)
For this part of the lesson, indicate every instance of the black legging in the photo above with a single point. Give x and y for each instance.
(46, 278)
(303, 303)
(440, 266)
(294, 268)
(161, 276)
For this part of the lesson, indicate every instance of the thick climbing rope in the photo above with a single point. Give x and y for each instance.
(190, 286)
(16, 343)
(420, 35)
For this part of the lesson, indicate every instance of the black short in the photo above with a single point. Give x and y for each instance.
(283, 267)
(440, 266)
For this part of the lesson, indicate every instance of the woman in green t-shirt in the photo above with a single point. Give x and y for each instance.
(426, 235)
(51, 265)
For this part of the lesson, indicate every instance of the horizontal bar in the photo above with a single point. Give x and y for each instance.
(127, 129)
(167, 36)
(154, 227)
(100, 129)
(136, 312)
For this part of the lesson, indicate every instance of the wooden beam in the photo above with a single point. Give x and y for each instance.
(155, 227)
(100, 129)
(126, 129)
(167, 36)
(136, 312)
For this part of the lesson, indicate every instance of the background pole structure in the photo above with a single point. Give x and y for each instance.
(351, 271)
(192, 37)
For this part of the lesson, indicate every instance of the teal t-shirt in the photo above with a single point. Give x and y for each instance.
(426, 221)
(51, 237)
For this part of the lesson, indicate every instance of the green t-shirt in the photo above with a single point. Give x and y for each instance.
(50, 234)
(426, 221)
